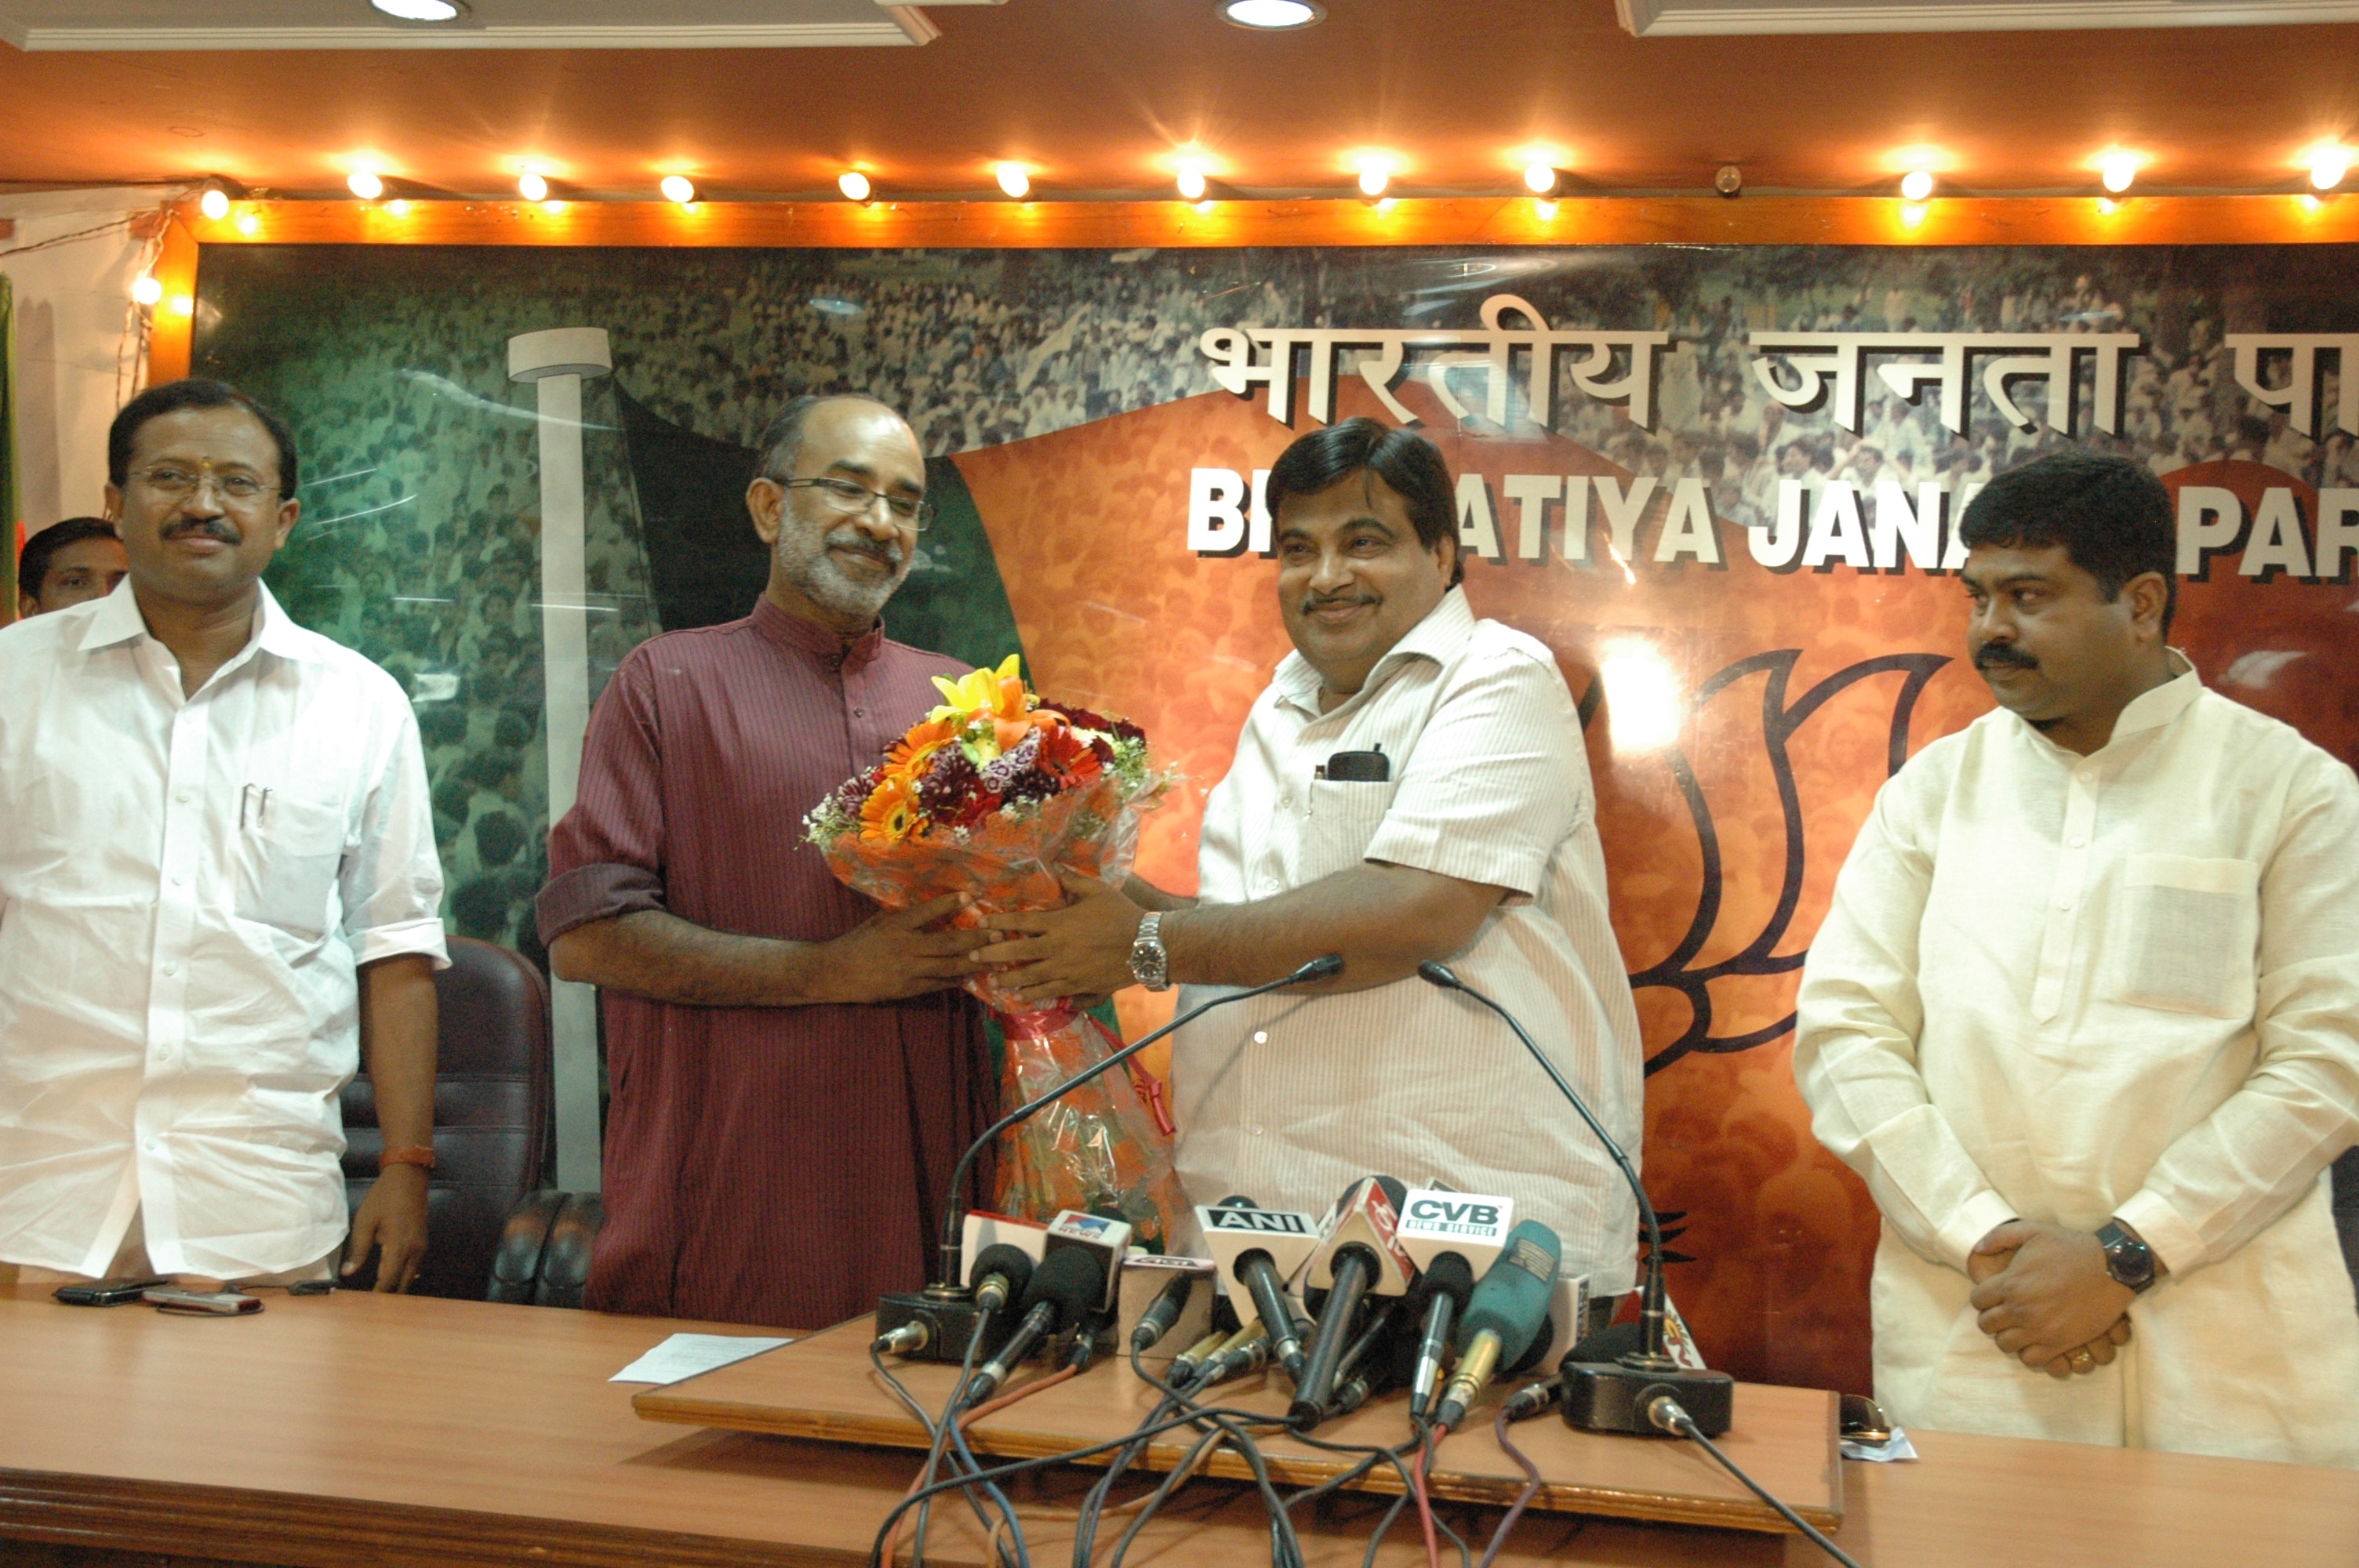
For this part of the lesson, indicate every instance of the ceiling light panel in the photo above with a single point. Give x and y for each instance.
(1690, 18)
(482, 24)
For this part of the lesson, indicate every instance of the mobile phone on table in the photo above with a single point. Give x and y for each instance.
(106, 1292)
(223, 1303)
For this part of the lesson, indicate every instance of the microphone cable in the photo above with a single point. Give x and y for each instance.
(937, 1434)
(1665, 1412)
(926, 1422)
(1523, 1498)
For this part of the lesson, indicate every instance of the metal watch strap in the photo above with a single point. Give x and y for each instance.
(2128, 1260)
(1150, 965)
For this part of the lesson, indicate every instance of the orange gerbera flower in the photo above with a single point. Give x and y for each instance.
(890, 812)
(909, 754)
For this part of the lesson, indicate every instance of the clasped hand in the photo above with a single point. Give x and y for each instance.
(2045, 1297)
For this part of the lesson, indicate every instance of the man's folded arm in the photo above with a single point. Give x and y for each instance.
(2228, 1177)
(1858, 1020)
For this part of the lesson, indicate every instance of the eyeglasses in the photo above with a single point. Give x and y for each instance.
(178, 482)
(912, 511)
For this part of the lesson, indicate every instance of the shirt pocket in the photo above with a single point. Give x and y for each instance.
(288, 856)
(1341, 820)
(2191, 929)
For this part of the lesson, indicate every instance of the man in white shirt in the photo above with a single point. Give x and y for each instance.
(2082, 1015)
(1411, 785)
(179, 1009)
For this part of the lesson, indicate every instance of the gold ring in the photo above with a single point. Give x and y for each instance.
(2081, 1361)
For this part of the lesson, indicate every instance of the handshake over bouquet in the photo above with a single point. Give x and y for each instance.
(993, 795)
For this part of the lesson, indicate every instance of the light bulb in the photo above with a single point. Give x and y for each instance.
(1917, 184)
(214, 203)
(1013, 178)
(2328, 167)
(146, 290)
(1540, 178)
(421, 10)
(678, 187)
(364, 184)
(532, 185)
(853, 184)
(1374, 178)
(1191, 182)
(1269, 15)
(2118, 171)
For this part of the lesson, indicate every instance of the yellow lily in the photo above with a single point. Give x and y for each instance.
(996, 693)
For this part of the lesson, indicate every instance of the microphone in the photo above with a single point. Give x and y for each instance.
(1185, 1365)
(1001, 1272)
(1322, 968)
(1259, 1250)
(1163, 1312)
(1247, 1350)
(1605, 1396)
(1508, 1308)
(1066, 1288)
(1357, 1256)
(1449, 1282)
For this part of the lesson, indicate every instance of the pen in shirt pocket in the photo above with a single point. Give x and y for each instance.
(253, 798)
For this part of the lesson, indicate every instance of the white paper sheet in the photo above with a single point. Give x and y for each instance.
(683, 1355)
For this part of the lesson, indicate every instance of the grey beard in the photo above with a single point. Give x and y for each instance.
(827, 585)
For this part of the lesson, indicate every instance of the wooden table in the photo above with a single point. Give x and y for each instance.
(383, 1430)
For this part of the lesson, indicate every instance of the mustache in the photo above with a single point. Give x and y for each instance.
(890, 553)
(2003, 656)
(1311, 602)
(204, 528)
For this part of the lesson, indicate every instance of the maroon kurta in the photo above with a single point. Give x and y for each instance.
(779, 1166)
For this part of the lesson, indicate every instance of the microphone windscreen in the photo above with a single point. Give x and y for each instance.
(1001, 1257)
(1236, 1200)
(1512, 1298)
(1072, 1279)
(1449, 1275)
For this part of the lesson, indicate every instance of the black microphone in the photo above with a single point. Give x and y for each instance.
(1358, 1254)
(1001, 1272)
(1066, 1288)
(947, 1278)
(1265, 1284)
(1446, 1282)
(1600, 1401)
(1163, 1312)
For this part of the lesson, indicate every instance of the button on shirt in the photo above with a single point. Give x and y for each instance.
(2067, 988)
(187, 888)
(1287, 1099)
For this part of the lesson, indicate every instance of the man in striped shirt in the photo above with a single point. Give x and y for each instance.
(1462, 826)
(794, 1072)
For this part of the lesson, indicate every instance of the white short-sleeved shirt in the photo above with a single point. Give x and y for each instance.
(187, 888)
(1289, 1099)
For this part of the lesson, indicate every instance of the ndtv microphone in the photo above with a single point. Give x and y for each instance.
(1357, 1257)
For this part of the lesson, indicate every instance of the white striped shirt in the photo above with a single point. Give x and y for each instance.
(1289, 1099)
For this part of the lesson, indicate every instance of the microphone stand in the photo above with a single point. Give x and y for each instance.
(947, 1286)
(1600, 1402)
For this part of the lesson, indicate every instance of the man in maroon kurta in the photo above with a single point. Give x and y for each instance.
(793, 1076)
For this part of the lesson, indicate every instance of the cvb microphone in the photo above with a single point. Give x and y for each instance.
(1065, 1289)
(946, 1280)
(1448, 1284)
(1605, 1396)
(1357, 1256)
(1509, 1309)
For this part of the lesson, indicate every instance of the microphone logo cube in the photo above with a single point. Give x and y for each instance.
(1230, 1234)
(1473, 1225)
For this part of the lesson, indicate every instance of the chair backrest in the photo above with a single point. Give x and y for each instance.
(492, 1098)
(2346, 1210)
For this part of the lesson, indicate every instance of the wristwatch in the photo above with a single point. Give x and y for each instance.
(2129, 1261)
(1150, 966)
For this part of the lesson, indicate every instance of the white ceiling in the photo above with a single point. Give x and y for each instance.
(1690, 18)
(490, 24)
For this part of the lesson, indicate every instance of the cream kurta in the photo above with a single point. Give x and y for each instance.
(2066, 988)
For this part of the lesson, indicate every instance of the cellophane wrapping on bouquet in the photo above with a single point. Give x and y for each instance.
(991, 797)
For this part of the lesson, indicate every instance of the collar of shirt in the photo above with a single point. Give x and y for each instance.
(2147, 710)
(119, 620)
(797, 635)
(1438, 637)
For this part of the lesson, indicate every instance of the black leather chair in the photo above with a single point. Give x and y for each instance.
(544, 1256)
(492, 1098)
(2346, 1210)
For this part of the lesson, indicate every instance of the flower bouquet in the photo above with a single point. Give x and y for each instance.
(991, 795)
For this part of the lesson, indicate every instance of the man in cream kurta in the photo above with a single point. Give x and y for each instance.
(2066, 987)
